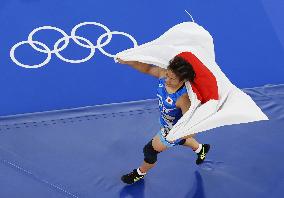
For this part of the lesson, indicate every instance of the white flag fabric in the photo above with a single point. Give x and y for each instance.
(215, 101)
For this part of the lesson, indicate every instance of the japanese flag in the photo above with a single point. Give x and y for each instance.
(215, 101)
(169, 100)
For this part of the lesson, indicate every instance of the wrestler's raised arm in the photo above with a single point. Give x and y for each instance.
(145, 68)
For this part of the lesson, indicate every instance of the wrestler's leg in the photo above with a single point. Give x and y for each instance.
(191, 142)
(150, 150)
(157, 146)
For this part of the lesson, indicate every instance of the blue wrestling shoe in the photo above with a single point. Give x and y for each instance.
(202, 154)
(132, 177)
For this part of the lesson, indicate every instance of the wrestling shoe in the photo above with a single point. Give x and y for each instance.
(202, 154)
(132, 177)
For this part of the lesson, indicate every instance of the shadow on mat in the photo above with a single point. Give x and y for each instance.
(135, 190)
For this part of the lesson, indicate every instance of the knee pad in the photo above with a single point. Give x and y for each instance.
(182, 142)
(150, 154)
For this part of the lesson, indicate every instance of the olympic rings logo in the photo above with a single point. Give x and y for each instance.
(66, 38)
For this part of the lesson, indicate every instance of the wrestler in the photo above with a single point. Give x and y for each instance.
(173, 103)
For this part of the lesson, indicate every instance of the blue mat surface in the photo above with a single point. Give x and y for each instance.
(83, 152)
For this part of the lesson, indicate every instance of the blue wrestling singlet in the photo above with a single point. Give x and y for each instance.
(169, 113)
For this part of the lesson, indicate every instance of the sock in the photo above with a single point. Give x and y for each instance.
(139, 172)
(199, 148)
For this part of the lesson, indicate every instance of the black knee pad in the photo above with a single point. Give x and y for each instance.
(182, 142)
(150, 154)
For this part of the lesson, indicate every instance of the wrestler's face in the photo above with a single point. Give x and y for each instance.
(172, 80)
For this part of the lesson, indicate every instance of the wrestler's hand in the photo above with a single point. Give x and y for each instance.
(122, 61)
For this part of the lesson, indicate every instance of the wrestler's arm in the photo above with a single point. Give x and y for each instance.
(184, 104)
(152, 70)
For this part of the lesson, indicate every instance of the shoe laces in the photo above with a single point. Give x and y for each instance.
(132, 174)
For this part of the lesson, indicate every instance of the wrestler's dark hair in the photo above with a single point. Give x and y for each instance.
(182, 69)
